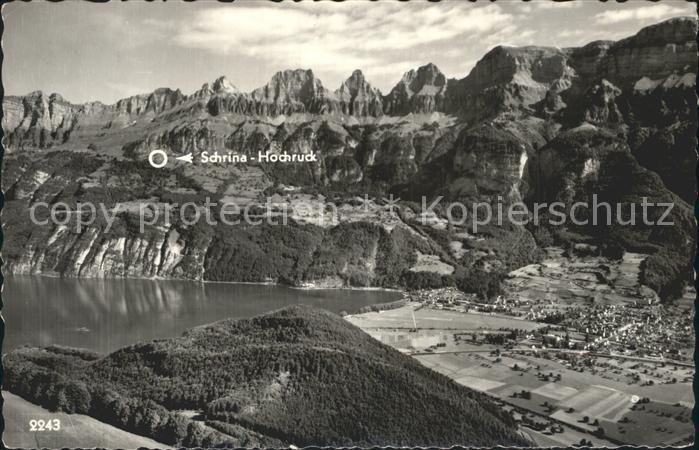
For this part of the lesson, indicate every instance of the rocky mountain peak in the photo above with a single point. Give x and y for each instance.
(35, 94)
(156, 102)
(419, 91)
(505, 79)
(527, 122)
(522, 65)
(585, 60)
(356, 85)
(40, 98)
(222, 86)
(678, 30)
(57, 98)
(355, 81)
(426, 79)
(357, 97)
(511, 79)
(288, 92)
(37, 119)
(656, 52)
(290, 85)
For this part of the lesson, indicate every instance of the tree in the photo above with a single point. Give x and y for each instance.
(61, 403)
(172, 431)
(78, 398)
(195, 435)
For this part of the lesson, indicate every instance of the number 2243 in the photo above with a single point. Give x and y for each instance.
(45, 425)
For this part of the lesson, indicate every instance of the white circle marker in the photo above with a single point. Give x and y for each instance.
(635, 399)
(153, 154)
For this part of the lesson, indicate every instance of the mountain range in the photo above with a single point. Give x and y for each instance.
(531, 124)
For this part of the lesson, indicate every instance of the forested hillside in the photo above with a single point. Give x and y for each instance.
(296, 376)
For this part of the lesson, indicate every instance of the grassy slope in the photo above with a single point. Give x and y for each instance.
(77, 430)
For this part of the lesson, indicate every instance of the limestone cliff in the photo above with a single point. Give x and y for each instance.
(527, 123)
(419, 91)
(358, 98)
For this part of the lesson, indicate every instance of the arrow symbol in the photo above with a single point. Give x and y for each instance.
(188, 158)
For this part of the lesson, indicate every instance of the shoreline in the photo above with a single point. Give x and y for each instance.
(253, 283)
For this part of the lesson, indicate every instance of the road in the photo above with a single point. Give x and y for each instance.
(562, 350)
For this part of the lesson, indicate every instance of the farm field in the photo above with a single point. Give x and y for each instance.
(650, 424)
(565, 438)
(562, 282)
(561, 397)
(586, 402)
(438, 319)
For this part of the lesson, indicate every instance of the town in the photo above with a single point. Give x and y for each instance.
(577, 359)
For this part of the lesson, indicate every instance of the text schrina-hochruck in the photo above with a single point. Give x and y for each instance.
(265, 157)
(285, 157)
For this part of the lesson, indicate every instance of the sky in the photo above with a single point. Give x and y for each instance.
(86, 51)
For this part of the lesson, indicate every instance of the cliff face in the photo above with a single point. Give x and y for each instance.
(496, 133)
(292, 91)
(288, 92)
(37, 119)
(419, 91)
(299, 91)
(510, 79)
(593, 165)
(358, 98)
(507, 79)
(156, 102)
(656, 52)
(360, 247)
(517, 79)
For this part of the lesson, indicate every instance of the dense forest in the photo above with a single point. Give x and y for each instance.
(297, 376)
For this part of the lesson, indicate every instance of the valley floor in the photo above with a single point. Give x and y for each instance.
(563, 382)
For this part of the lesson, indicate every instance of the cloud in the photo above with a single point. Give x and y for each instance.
(391, 71)
(509, 35)
(582, 37)
(553, 5)
(383, 39)
(130, 33)
(121, 89)
(645, 14)
(339, 37)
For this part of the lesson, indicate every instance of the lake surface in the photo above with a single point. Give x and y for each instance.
(104, 315)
